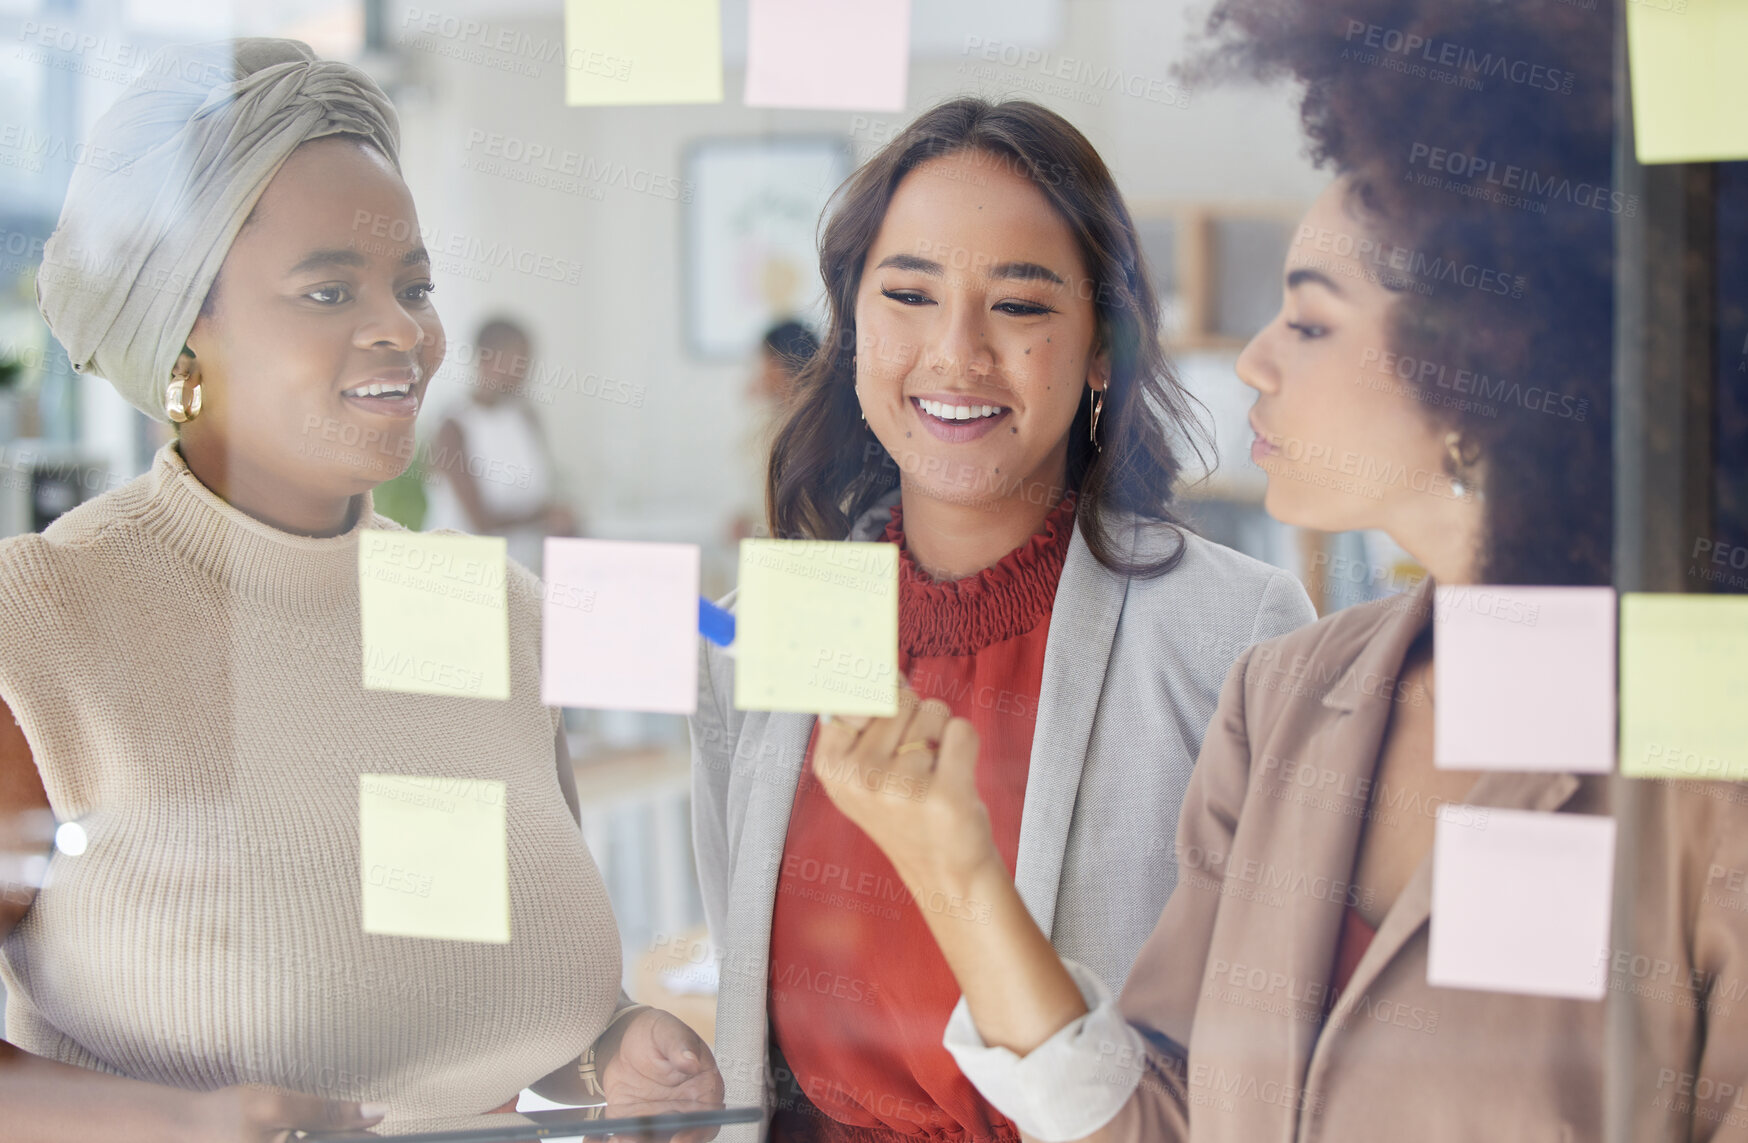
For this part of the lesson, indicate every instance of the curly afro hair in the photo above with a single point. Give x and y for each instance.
(1478, 134)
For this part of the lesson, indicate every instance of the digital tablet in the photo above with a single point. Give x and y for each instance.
(560, 1123)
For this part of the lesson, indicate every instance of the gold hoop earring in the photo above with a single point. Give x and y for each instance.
(1098, 406)
(179, 405)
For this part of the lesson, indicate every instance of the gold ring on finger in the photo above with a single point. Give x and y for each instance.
(907, 747)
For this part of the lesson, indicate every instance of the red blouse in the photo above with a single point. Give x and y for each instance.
(1356, 937)
(859, 992)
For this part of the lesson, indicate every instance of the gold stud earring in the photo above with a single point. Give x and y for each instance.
(1098, 406)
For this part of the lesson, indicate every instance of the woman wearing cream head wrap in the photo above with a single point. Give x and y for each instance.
(198, 138)
(180, 660)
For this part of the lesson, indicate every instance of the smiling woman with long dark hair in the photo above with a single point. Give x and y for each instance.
(1285, 992)
(992, 397)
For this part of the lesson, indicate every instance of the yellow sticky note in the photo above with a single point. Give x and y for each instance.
(434, 613)
(1689, 83)
(433, 857)
(816, 627)
(1684, 675)
(642, 51)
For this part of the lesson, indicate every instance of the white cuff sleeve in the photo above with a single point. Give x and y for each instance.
(1070, 1085)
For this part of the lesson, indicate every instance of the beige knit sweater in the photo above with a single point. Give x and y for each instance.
(189, 682)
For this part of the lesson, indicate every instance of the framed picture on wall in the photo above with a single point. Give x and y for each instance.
(749, 244)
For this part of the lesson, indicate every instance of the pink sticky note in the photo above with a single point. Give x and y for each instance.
(833, 54)
(621, 626)
(1521, 902)
(1525, 678)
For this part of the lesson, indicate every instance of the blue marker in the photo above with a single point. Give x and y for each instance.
(714, 623)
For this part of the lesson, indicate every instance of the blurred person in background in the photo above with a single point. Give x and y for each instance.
(1284, 994)
(489, 469)
(179, 672)
(784, 351)
(992, 397)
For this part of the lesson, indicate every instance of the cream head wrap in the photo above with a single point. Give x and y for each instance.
(196, 139)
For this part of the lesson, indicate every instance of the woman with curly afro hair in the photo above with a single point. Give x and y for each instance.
(1440, 369)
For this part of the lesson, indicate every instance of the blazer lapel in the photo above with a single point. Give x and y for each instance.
(1507, 790)
(1083, 623)
(1495, 789)
(777, 769)
(780, 746)
(780, 750)
(1344, 750)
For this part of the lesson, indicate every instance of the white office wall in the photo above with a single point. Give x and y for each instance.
(670, 468)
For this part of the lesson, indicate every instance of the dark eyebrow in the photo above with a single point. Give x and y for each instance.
(320, 259)
(911, 262)
(1025, 272)
(1300, 277)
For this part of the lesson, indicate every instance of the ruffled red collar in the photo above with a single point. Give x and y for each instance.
(1001, 602)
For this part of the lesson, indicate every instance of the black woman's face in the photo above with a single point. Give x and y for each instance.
(320, 338)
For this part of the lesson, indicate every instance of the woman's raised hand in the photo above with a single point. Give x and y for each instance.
(910, 783)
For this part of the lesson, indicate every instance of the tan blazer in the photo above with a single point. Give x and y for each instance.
(1237, 969)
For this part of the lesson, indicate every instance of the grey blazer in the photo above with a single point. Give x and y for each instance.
(1132, 671)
